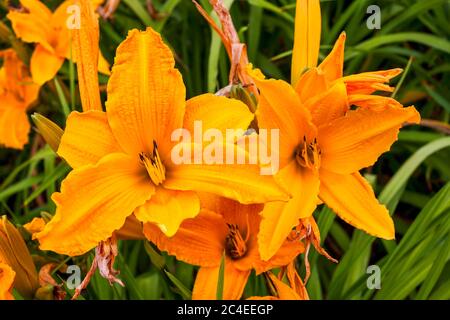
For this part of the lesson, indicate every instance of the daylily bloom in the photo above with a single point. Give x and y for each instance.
(7, 276)
(35, 23)
(230, 228)
(17, 93)
(122, 158)
(14, 253)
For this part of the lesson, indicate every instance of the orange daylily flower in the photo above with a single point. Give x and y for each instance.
(122, 158)
(17, 93)
(7, 276)
(37, 24)
(230, 228)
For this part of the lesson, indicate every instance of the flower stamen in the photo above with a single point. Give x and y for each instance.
(235, 246)
(154, 165)
(308, 154)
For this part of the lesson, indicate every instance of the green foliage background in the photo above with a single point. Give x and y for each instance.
(412, 179)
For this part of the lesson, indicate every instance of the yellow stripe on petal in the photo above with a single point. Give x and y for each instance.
(353, 199)
(308, 23)
(44, 64)
(86, 139)
(356, 141)
(168, 209)
(146, 94)
(86, 54)
(94, 202)
(280, 217)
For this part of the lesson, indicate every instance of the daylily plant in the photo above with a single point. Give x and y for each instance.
(35, 23)
(17, 94)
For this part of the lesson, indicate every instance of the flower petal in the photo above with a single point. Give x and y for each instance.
(308, 25)
(205, 286)
(311, 84)
(14, 125)
(353, 199)
(94, 201)
(216, 112)
(44, 64)
(333, 65)
(278, 217)
(369, 82)
(284, 292)
(86, 139)
(358, 139)
(7, 276)
(280, 108)
(32, 26)
(198, 241)
(168, 209)
(146, 94)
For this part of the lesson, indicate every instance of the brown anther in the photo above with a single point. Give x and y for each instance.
(235, 245)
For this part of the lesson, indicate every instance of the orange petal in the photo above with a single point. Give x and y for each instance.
(296, 282)
(44, 64)
(199, 241)
(205, 287)
(372, 102)
(283, 290)
(14, 126)
(358, 139)
(7, 276)
(86, 54)
(131, 230)
(217, 113)
(280, 108)
(168, 208)
(278, 217)
(333, 65)
(94, 201)
(35, 225)
(353, 199)
(311, 84)
(329, 105)
(146, 94)
(369, 82)
(32, 26)
(308, 25)
(86, 139)
(60, 38)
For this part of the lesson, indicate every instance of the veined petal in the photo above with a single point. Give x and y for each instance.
(280, 108)
(373, 102)
(241, 182)
(311, 84)
(86, 54)
(86, 139)
(333, 65)
(216, 112)
(169, 208)
(199, 241)
(358, 139)
(44, 64)
(32, 26)
(280, 217)
(14, 126)
(353, 199)
(369, 82)
(205, 286)
(94, 201)
(7, 276)
(328, 105)
(308, 25)
(146, 94)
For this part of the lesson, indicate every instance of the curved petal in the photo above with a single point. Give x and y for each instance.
(131, 230)
(358, 139)
(353, 199)
(369, 82)
(44, 64)
(86, 139)
(34, 25)
(308, 25)
(278, 217)
(216, 112)
(146, 94)
(241, 182)
(333, 65)
(199, 241)
(7, 276)
(311, 84)
(168, 208)
(280, 108)
(205, 286)
(329, 105)
(284, 292)
(94, 201)
(14, 126)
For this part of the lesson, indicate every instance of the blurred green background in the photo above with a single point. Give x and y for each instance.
(412, 180)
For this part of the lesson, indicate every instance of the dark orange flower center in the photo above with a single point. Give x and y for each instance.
(308, 154)
(235, 245)
(154, 165)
